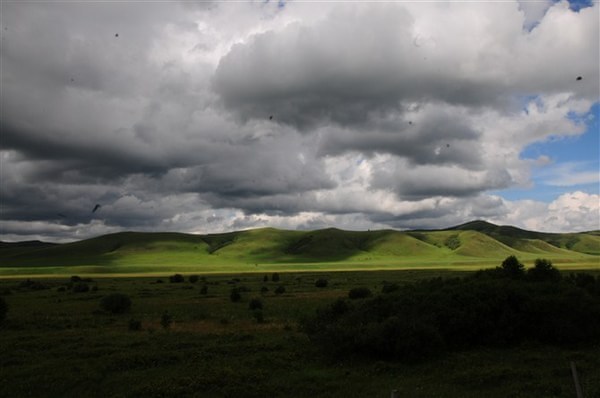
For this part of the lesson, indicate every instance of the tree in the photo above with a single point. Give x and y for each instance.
(512, 268)
(543, 270)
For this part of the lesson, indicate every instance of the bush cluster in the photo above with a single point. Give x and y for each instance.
(502, 307)
(176, 278)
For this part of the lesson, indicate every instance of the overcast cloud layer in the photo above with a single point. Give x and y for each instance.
(207, 117)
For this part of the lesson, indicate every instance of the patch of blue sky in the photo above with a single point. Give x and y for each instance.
(577, 5)
(574, 163)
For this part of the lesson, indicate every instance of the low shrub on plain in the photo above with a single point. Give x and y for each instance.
(176, 278)
(255, 304)
(116, 303)
(193, 278)
(80, 287)
(359, 293)
(280, 290)
(135, 325)
(3, 309)
(166, 320)
(235, 295)
(321, 282)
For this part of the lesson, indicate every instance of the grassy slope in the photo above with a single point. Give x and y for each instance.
(476, 243)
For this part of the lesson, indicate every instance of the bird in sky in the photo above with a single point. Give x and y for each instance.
(579, 78)
(96, 207)
(61, 215)
(271, 117)
(116, 35)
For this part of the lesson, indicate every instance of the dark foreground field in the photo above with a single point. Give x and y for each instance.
(59, 343)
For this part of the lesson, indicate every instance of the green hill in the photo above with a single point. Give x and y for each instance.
(474, 243)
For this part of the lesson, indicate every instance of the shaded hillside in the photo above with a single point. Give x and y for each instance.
(584, 242)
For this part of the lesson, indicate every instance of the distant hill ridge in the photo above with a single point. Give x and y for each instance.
(476, 239)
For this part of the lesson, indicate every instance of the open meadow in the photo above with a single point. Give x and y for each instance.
(183, 339)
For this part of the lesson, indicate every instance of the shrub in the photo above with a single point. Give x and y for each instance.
(116, 303)
(204, 289)
(321, 282)
(193, 278)
(95, 288)
(258, 316)
(452, 242)
(275, 277)
(264, 290)
(265, 278)
(359, 293)
(3, 309)
(280, 290)
(75, 279)
(235, 295)
(159, 281)
(255, 304)
(135, 325)
(80, 287)
(543, 270)
(177, 278)
(166, 320)
(61, 289)
(389, 287)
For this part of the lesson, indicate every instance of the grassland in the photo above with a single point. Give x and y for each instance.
(60, 344)
(468, 246)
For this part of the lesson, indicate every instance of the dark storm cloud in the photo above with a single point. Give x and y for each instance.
(437, 139)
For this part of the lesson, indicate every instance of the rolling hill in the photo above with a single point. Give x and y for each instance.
(474, 243)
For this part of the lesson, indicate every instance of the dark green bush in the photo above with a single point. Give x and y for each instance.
(258, 316)
(80, 287)
(389, 287)
(177, 278)
(166, 320)
(116, 303)
(204, 289)
(266, 278)
(193, 278)
(3, 310)
(264, 290)
(359, 293)
(429, 317)
(75, 279)
(255, 304)
(235, 295)
(321, 282)
(275, 277)
(135, 325)
(280, 290)
(452, 242)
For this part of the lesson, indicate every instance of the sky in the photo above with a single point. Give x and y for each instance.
(204, 117)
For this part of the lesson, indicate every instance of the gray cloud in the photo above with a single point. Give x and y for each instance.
(405, 122)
